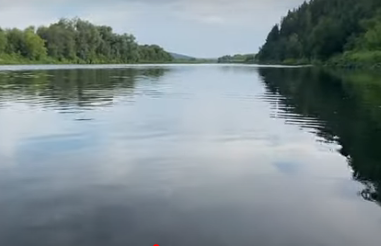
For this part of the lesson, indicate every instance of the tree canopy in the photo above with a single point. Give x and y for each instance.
(237, 58)
(77, 41)
(323, 29)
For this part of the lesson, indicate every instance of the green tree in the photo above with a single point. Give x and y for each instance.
(324, 29)
(60, 39)
(78, 40)
(34, 45)
(87, 40)
(3, 41)
(15, 41)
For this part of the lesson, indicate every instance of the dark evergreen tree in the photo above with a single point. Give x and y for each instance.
(323, 29)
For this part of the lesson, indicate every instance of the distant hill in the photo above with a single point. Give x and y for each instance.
(181, 57)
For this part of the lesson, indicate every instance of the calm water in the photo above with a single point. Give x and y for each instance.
(189, 155)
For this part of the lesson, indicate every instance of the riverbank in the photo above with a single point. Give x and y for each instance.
(350, 60)
(19, 60)
(356, 59)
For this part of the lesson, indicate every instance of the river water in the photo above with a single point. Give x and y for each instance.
(189, 155)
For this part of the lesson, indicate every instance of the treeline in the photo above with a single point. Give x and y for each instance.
(334, 31)
(238, 58)
(75, 41)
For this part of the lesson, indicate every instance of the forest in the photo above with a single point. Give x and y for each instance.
(237, 58)
(75, 41)
(337, 32)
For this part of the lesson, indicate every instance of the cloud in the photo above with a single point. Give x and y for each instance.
(211, 11)
(185, 26)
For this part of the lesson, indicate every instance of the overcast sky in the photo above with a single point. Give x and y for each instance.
(201, 28)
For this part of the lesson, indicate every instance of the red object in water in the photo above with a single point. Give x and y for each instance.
(156, 245)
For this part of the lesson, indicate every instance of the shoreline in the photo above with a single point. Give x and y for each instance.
(36, 67)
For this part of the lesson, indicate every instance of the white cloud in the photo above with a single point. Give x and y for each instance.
(232, 26)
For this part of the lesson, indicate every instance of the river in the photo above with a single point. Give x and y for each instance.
(189, 155)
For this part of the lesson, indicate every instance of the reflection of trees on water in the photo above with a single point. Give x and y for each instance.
(73, 89)
(370, 193)
(238, 68)
(346, 109)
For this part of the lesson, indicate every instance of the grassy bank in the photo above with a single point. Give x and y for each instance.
(357, 59)
(350, 59)
(15, 59)
(6, 59)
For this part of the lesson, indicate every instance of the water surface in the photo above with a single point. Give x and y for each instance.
(189, 155)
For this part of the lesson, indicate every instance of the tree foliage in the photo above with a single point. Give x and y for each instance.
(322, 29)
(3, 41)
(153, 52)
(238, 58)
(34, 45)
(78, 41)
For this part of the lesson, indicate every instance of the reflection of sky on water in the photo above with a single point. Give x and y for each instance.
(212, 122)
(201, 158)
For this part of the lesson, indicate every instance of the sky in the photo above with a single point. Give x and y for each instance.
(199, 28)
